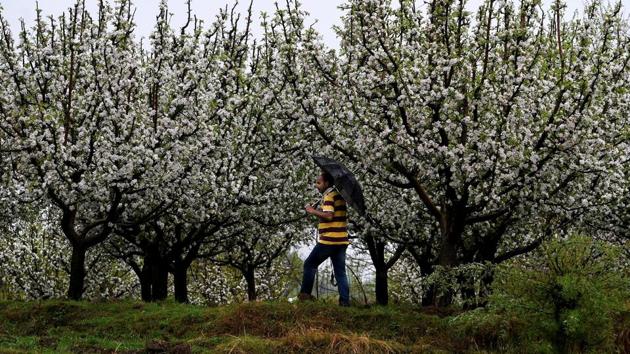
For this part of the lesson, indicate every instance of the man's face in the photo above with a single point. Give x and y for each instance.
(321, 184)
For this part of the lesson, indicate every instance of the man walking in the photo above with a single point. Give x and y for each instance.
(332, 242)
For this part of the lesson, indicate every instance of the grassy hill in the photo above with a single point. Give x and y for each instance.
(134, 327)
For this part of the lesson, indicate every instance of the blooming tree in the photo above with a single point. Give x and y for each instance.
(74, 118)
(476, 137)
(272, 168)
(498, 124)
(36, 264)
(210, 90)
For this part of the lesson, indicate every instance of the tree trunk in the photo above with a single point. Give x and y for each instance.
(423, 259)
(377, 254)
(156, 268)
(487, 253)
(159, 279)
(145, 281)
(381, 287)
(181, 283)
(485, 287)
(452, 229)
(428, 296)
(251, 283)
(467, 289)
(77, 272)
(447, 260)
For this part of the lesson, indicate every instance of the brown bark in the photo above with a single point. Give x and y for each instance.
(251, 283)
(181, 283)
(77, 273)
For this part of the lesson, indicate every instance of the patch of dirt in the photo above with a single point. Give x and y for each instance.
(47, 342)
(161, 346)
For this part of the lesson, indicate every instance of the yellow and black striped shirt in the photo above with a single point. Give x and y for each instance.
(335, 231)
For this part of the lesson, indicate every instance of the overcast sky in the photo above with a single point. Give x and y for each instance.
(325, 12)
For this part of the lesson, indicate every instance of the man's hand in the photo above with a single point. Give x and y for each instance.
(328, 215)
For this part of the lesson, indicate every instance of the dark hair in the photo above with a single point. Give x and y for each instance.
(328, 178)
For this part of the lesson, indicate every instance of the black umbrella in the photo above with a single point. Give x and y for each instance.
(345, 182)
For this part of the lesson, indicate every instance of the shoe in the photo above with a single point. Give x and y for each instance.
(344, 304)
(305, 297)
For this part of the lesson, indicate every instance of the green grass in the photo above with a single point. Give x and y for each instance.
(133, 327)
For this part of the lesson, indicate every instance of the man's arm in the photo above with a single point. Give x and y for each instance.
(328, 215)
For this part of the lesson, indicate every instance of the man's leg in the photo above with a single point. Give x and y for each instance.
(339, 265)
(317, 256)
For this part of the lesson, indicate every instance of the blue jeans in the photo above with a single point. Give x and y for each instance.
(319, 254)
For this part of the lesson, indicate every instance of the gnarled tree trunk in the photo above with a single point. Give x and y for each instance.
(250, 278)
(77, 272)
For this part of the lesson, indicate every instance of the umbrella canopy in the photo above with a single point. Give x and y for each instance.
(344, 181)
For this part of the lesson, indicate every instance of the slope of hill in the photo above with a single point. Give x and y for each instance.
(134, 327)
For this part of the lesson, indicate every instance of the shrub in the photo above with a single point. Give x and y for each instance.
(565, 296)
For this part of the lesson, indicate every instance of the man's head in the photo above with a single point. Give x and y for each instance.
(323, 181)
